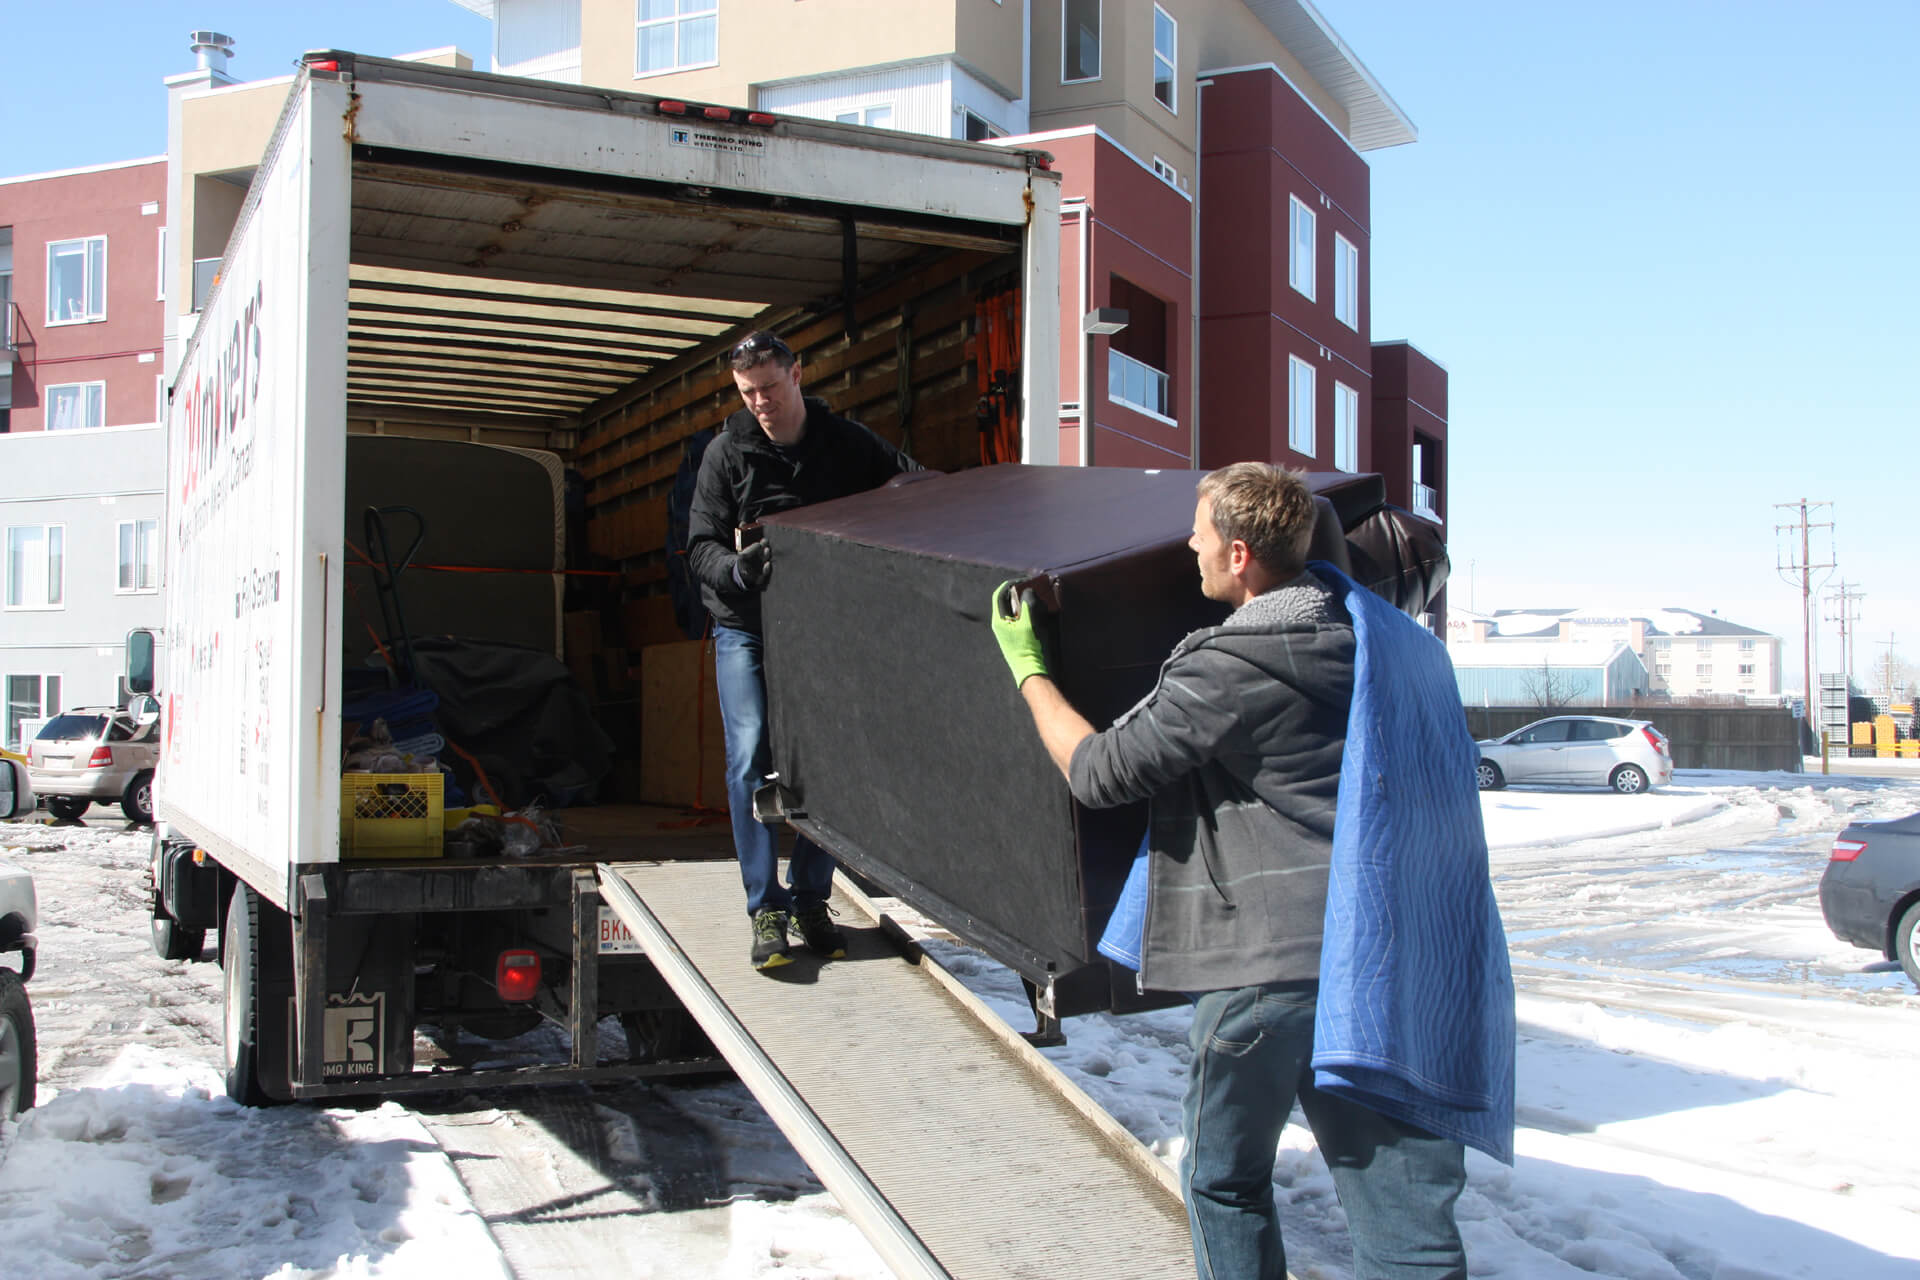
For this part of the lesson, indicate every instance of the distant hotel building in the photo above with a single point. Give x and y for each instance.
(1684, 653)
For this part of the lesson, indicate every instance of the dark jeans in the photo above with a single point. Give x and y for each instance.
(1252, 1054)
(743, 714)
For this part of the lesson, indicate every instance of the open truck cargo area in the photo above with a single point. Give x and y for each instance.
(422, 443)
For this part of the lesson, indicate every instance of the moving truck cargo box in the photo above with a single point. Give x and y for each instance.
(898, 732)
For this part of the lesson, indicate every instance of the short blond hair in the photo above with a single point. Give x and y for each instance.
(1267, 507)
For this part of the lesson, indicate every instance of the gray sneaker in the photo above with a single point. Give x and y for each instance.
(770, 938)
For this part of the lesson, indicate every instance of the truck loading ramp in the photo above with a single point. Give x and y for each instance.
(957, 1148)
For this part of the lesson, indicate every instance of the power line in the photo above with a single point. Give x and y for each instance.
(1803, 567)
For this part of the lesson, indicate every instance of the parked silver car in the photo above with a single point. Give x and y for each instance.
(1628, 755)
(19, 914)
(95, 755)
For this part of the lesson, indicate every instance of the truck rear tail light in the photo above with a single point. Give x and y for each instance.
(762, 119)
(102, 758)
(671, 108)
(517, 976)
(716, 113)
(1847, 850)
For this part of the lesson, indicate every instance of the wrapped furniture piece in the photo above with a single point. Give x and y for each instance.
(901, 744)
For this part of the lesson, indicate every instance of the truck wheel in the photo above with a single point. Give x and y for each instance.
(18, 1069)
(68, 807)
(137, 800)
(258, 1030)
(172, 940)
(664, 1035)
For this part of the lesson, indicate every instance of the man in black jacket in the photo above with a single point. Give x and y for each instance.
(1238, 750)
(784, 450)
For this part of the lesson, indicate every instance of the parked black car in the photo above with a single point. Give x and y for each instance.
(1870, 894)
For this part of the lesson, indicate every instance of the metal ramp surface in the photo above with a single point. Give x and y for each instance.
(957, 1148)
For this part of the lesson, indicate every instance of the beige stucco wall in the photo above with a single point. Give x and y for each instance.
(1121, 101)
(762, 41)
(1228, 35)
(224, 131)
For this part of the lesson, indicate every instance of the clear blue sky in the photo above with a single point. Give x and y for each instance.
(1667, 252)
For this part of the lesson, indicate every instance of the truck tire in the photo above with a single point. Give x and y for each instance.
(258, 978)
(18, 1068)
(173, 940)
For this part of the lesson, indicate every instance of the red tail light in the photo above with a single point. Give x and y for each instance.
(1655, 737)
(671, 108)
(102, 758)
(762, 119)
(1847, 850)
(717, 113)
(517, 976)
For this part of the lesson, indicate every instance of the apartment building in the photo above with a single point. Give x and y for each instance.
(80, 288)
(1216, 223)
(81, 459)
(1686, 653)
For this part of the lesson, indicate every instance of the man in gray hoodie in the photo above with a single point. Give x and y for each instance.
(1238, 750)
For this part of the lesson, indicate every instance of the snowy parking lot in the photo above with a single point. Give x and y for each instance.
(1711, 1087)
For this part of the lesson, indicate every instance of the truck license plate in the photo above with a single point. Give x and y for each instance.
(615, 938)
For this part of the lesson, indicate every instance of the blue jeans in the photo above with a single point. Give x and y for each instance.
(742, 687)
(1252, 1056)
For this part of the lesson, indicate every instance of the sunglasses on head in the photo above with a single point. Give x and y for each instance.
(756, 343)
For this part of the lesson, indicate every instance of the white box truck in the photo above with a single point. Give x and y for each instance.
(456, 299)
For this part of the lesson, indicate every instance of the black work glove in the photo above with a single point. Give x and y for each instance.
(752, 567)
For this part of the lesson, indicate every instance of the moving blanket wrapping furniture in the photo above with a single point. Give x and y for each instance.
(901, 742)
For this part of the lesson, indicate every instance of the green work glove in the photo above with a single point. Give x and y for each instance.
(1019, 644)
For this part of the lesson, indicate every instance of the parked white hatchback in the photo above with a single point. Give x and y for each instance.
(1576, 751)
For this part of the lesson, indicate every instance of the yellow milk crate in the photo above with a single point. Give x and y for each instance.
(391, 815)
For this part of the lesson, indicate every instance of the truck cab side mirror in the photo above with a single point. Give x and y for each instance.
(140, 661)
(144, 708)
(16, 789)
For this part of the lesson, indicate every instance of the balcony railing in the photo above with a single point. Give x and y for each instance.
(10, 322)
(1136, 384)
(1426, 502)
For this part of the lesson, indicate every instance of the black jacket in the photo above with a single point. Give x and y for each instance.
(1238, 748)
(744, 477)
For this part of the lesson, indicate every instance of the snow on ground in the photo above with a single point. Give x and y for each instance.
(1711, 1086)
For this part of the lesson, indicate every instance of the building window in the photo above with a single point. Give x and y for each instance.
(1300, 256)
(160, 268)
(1746, 669)
(674, 35)
(30, 698)
(36, 568)
(979, 128)
(77, 280)
(878, 116)
(72, 406)
(1746, 646)
(1166, 49)
(1703, 646)
(1346, 282)
(1346, 427)
(1139, 356)
(1663, 669)
(139, 555)
(1703, 671)
(1166, 173)
(1300, 406)
(1079, 40)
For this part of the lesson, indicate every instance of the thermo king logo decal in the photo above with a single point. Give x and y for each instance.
(355, 1035)
(701, 140)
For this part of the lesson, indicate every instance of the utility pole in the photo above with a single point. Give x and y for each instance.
(1845, 599)
(1887, 666)
(1801, 566)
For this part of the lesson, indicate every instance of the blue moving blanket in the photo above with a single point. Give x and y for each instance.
(1416, 1015)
